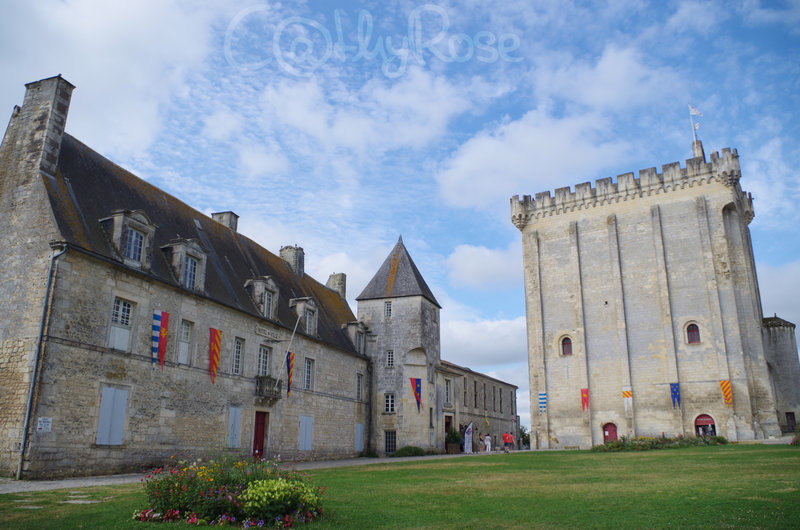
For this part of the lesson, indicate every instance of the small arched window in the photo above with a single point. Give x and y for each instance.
(566, 346)
(693, 334)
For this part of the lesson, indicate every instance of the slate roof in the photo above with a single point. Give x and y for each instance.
(88, 187)
(458, 368)
(398, 277)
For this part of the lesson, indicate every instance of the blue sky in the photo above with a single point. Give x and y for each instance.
(339, 126)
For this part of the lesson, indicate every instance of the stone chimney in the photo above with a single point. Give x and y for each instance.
(229, 219)
(338, 282)
(35, 130)
(295, 257)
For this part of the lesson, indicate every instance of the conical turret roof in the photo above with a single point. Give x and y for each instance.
(397, 277)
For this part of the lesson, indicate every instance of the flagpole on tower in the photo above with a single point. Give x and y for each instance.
(697, 147)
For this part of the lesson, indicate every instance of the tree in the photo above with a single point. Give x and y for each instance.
(524, 436)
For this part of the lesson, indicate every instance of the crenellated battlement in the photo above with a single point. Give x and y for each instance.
(722, 168)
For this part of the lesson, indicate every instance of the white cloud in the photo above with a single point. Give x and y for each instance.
(619, 80)
(483, 343)
(378, 117)
(126, 59)
(256, 161)
(768, 176)
(483, 268)
(222, 124)
(535, 153)
(780, 290)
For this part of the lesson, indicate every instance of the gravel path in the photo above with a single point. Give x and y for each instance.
(8, 485)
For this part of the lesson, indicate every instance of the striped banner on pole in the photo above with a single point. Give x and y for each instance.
(727, 394)
(160, 327)
(542, 402)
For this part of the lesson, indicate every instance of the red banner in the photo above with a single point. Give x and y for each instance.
(584, 399)
(214, 343)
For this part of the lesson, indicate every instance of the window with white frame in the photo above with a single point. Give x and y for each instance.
(184, 341)
(264, 353)
(359, 384)
(388, 403)
(389, 358)
(236, 361)
(448, 388)
(134, 244)
(189, 272)
(132, 234)
(308, 374)
(311, 322)
(267, 299)
(121, 321)
(387, 309)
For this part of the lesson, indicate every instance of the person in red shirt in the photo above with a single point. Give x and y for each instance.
(508, 441)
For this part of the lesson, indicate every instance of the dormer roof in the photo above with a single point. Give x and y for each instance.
(398, 277)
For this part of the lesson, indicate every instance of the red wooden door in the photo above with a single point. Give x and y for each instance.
(609, 432)
(259, 433)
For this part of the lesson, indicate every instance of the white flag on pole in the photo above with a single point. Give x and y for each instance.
(694, 112)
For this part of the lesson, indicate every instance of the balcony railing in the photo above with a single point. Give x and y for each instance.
(266, 387)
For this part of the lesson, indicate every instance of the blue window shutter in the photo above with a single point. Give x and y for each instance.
(234, 421)
(111, 423)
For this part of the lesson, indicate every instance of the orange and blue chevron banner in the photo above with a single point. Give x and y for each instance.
(214, 342)
(727, 395)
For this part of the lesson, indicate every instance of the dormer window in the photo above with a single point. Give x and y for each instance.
(188, 260)
(306, 310)
(134, 244)
(189, 271)
(357, 332)
(264, 292)
(132, 235)
(311, 322)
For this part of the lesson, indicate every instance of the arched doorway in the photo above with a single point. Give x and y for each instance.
(609, 432)
(704, 426)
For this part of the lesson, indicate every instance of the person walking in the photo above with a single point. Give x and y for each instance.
(487, 440)
(508, 441)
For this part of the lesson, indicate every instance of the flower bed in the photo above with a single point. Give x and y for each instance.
(231, 491)
(646, 443)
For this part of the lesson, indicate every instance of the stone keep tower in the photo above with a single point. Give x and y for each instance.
(643, 309)
(402, 316)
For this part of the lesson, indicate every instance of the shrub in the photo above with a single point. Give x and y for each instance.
(646, 443)
(274, 498)
(214, 490)
(409, 450)
(453, 436)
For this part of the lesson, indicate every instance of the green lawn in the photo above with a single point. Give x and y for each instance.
(726, 486)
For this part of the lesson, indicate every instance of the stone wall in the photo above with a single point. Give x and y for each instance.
(26, 228)
(780, 347)
(622, 269)
(177, 410)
